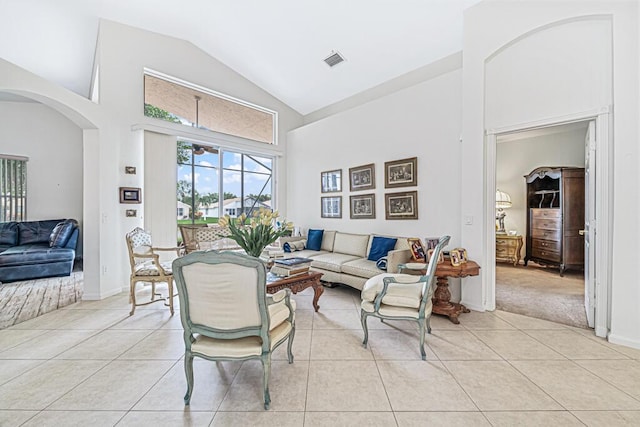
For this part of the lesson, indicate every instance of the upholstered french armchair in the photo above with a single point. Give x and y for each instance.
(227, 314)
(402, 297)
(146, 267)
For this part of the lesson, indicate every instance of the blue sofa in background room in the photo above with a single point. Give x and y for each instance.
(35, 249)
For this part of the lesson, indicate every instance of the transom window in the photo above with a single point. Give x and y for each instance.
(205, 109)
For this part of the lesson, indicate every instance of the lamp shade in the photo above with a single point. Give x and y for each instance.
(503, 200)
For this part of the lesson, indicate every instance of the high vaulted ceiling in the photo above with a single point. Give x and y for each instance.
(277, 44)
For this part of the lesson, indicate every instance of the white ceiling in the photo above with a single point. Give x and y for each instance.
(278, 44)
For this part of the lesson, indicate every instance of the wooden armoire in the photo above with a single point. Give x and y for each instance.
(555, 217)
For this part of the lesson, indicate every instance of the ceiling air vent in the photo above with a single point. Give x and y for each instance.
(334, 59)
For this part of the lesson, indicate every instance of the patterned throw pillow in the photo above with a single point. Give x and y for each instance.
(294, 246)
(382, 263)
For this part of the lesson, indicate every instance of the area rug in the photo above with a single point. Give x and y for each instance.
(540, 292)
(20, 301)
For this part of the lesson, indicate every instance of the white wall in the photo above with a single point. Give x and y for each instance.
(159, 173)
(122, 55)
(515, 159)
(422, 121)
(548, 32)
(53, 145)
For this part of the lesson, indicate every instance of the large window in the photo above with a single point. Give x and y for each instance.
(205, 173)
(205, 109)
(13, 188)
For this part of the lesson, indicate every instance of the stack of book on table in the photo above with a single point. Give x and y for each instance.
(288, 267)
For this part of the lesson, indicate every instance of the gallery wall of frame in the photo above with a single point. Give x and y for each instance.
(397, 174)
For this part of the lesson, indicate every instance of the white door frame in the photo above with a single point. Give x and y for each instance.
(604, 203)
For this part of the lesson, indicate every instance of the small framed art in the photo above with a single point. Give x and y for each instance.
(431, 242)
(401, 173)
(417, 250)
(458, 256)
(362, 177)
(331, 207)
(331, 181)
(130, 195)
(401, 205)
(362, 206)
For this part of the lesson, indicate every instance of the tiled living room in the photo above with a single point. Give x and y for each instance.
(110, 110)
(90, 363)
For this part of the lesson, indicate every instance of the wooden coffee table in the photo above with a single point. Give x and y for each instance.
(296, 284)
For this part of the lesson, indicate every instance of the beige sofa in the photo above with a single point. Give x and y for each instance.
(342, 257)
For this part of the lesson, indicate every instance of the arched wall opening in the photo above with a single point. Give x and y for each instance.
(61, 142)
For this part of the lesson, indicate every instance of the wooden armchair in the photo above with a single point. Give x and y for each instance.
(227, 314)
(202, 237)
(402, 297)
(188, 233)
(147, 267)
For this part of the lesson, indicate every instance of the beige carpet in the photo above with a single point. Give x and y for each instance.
(540, 292)
(20, 301)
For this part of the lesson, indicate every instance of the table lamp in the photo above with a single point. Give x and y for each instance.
(503, 201)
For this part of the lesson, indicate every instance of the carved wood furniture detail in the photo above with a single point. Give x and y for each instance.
(442, 295)
(555, 217)
(508, 248)
(297, 284)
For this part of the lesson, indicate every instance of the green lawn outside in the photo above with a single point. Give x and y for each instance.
(199, 221)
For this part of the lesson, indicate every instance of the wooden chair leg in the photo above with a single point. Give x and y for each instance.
(170, 285)
(266, 366)
(132, 296)
(363, 320)
(422, 331)
(188, 371)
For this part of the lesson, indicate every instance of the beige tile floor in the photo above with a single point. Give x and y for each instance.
(90, 364)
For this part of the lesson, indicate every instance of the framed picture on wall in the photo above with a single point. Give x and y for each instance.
(362, 206)
(331, 207)
(401, 205)
(401, 173)
(331, 181)
(130, 195)
(362, 177)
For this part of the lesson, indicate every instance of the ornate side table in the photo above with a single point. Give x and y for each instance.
(442, 295)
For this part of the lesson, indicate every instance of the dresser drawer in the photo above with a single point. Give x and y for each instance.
(547, 223)
(538, 233)
(546, 245)
(505, 252)
(546, 213)
(545, 254)
(504, 243)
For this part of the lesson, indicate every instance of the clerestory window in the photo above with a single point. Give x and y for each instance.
(194, 106)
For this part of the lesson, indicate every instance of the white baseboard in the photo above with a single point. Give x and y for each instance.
(473, 307)
(97, 297)
(616, 339)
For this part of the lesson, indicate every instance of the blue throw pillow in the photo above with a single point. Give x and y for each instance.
(380, 247)
(314, 239)
(287, 247)
(382, 263)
